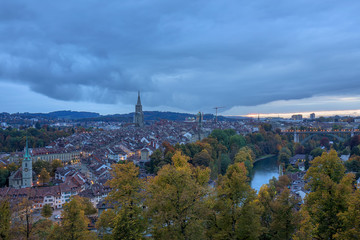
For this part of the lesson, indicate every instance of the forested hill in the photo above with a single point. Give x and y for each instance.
(71, 115)
(92, 116)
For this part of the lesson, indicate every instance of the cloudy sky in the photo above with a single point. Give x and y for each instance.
(255, 56)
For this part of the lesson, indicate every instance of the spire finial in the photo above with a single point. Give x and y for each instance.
(138, 101)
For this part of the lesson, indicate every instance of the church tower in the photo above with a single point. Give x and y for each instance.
(139, 115)
(27, 168)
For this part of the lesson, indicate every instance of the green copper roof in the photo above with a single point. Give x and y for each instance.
(27, 155)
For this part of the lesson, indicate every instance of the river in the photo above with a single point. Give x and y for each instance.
(263, 171)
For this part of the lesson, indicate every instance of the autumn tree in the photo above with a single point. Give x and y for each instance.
(44, 176)
(105, 224)
(4, 219)
(175, 200)
(40, 164)
(42, 229)
(54, 165)
(74, 223)
(88, 207)
(23, 219)
(127, 196)
(46, 211)
(285, 218)
(329, 190)
(202, 158)
(236, 211)
(266, 196)
(245, 155)
(350, 220)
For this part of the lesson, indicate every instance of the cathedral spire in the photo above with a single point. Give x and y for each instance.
(138, 101)
(138, 115)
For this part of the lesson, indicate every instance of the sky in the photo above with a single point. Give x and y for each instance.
(257, 56)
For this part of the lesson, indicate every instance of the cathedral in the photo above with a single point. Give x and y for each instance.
(23, 177)
(138, 115)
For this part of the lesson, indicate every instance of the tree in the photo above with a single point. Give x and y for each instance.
(74, 223)
(23, 219)
(350, 227)
(245, 155)
(330, 189)
(221, 136)
(265, 196)
(44, 176)
(325, 142)
(202, 158)
(12, 167)
(176, 200)
(225, 162)
(284, 155)
(42, 229)
(4, 219)
(46, 211)
(39, 165)
(353, 165)
(236, 211)
(317, 152)
(127, 196)
(4, 174)
(284, 216)
(106, 223)
(155, 158)
(237, 140)
(54, 165)
(89, 208)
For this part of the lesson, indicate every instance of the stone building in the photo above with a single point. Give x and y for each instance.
(23, 177)
(138, 115)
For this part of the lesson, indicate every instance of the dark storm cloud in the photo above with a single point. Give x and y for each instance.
(181, 54)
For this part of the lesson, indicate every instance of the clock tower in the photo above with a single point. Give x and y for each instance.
(27, 169)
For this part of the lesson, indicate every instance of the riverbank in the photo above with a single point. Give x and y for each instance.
(264, 157)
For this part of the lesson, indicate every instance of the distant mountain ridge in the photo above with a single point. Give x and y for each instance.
(127, 117)
(66, 114)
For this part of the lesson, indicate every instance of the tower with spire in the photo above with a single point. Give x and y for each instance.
(27, 168)
(139, 115)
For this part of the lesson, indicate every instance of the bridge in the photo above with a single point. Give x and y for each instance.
(332, 133)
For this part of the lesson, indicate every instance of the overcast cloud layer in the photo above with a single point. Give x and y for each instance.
(185, 55)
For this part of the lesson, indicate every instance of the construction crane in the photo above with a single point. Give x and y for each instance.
(216, 108)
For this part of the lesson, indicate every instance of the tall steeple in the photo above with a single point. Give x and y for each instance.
(27, 168)
(138, 115)
(139, 100)
(27, 155)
